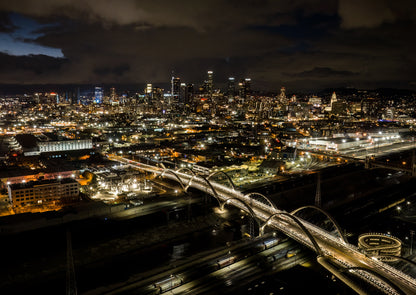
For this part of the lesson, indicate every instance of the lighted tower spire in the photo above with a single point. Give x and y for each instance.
(333, 98)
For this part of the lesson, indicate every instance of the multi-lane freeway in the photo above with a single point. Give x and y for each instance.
(333, 251)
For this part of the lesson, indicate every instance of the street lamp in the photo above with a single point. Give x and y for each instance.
(399, 209)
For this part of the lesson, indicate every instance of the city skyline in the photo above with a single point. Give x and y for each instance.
(202, 147)
(307, 45)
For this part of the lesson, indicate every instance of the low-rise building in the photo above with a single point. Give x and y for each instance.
(32, 145)
(42, 192)
(272, 167)
(64, 145)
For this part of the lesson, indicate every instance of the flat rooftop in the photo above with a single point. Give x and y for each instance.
(32, 184)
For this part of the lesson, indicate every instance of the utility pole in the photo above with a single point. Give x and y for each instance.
(318, 191)
(71, 285)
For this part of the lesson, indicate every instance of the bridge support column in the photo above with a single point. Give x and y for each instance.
(367, 162)
(167, 213)
(189, 211)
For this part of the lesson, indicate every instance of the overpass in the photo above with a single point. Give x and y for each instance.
(367, 158)
(342, 259)
(368, 161)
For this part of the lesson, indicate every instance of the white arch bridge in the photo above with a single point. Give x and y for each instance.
(342, 259)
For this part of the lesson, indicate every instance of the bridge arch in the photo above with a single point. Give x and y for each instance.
(226, 175)
(175, 175)
(263, 197)
(295, 219)
(376, 274)
(161, 165)
(186, 169)
(190, 182)
(337, 227)
(214, 192)
(253, 215)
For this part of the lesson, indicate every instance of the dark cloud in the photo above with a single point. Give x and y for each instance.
(119, 70)
(300, 44)
(6, 25)
(323, 72)
(201, 15)
(29, 69)
(373, 13)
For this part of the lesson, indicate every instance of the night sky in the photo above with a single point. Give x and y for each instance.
(303, 45)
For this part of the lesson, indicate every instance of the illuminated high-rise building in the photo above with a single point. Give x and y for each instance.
(241, 92)
(78, 96)
(98, 95)
(247, 85)
(149, 88)
(112, 93)
(189, 93)
(182, 94)
(37, 98)
(333, 98)
(231, 86)
(148, 92)
(111, 97)
(175, 90)
(210, 83)
(157, 95)
(282, 96)
(244, 87)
